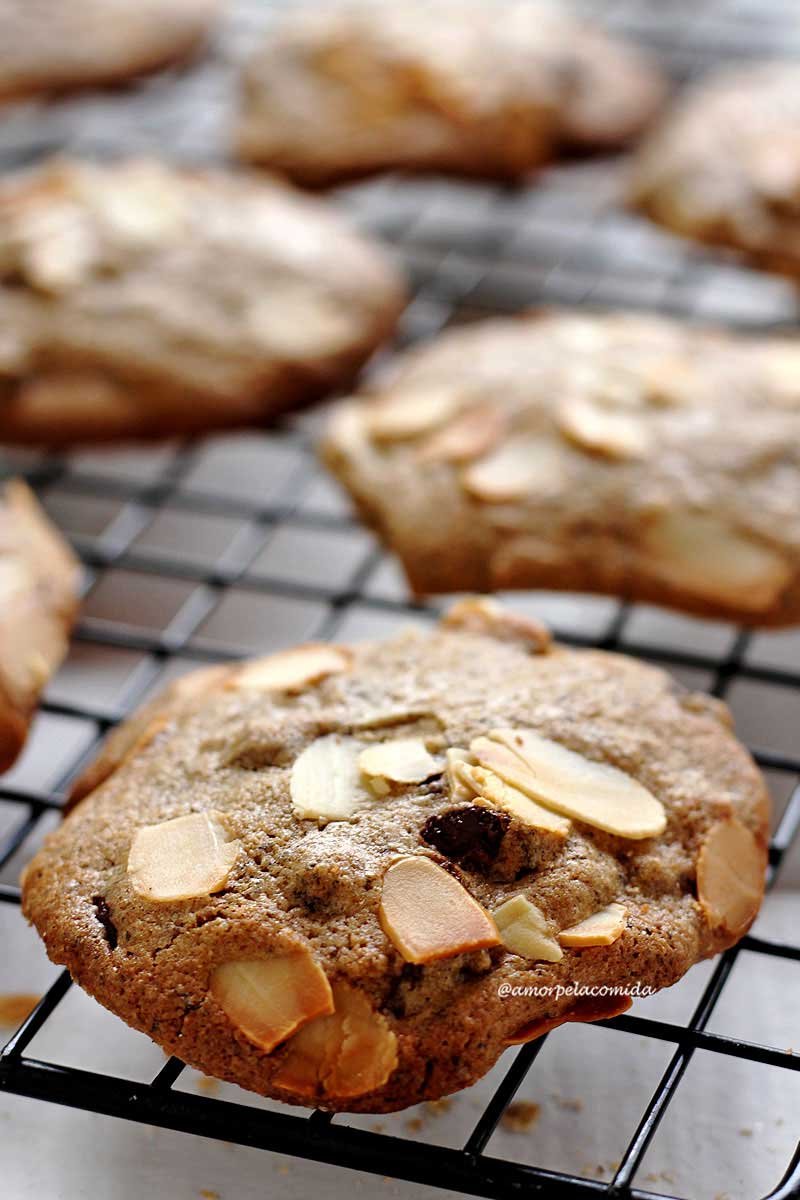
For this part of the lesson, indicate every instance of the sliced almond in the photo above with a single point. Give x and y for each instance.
(525, 465)
(524, 930)
(730, 876)
(700, 553)
(469, 436)
(428, 915)
(460, 788)
(494, 789)
(293, 669)
(577, 787)
(269, 999)
(348, 1053)
(483, 614)
(15, 577)
(600, 929)
(597, 430)
(410, 414)
(176, 860)
(325, 782)
(404, 760)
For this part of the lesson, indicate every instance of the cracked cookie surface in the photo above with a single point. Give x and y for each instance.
(307, 934)
(462, 86)
(140, 299)
(619, 453)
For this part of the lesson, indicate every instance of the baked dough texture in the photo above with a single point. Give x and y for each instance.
(39, 578)
(723, 166)
(619, 453)
(139, 299)
(57, 45)
(309, 875)
(471, 87)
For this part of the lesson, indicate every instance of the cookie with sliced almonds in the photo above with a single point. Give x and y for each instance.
(350, 876)
(39, 579)
(632, 455)
(142, 299)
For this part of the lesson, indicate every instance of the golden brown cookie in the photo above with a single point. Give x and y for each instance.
(139, 299)
(618, 453)
(463, 86)
(55, 45)
(38, 603)
(724, 166)
(352, 876)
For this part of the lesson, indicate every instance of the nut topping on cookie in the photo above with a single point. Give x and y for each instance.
(326, 782)
(469, 436)
(428, 915)
(577, 787)
(611, 434)
(178, 859)
(525, 931)
(701, 552)
(483, 614)
(600, 929)
(404, 760)
(730, 876)
(411, 414)
(496, 791)
(347, 1053)
(269, 999)
(524, 465)
(292, 670)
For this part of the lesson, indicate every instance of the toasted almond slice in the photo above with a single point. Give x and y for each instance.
(460, 788)
(613, 435)
(348, 1053)
(577, 787)
(404, 760)
(269, 999)
(494, 789)
(483, 614)
(524, 465)
(410, 414)
(730, 876)
(469, 436)
(428, 915)
(700, 553)
(15, 576)
(293, 669)
(525, 930)
(600, 929)
(178, 859)
(325, 782)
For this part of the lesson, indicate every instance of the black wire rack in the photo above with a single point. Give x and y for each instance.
(470, 250)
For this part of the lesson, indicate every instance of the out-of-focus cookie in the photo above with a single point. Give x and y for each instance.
(619, 453)
(352, 876)
(139, 299)
(465, 86)
(57, 45)
(39, 578)
(724, 165)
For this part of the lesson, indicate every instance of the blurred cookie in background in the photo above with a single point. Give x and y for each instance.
(39, 579)
(58, 45)
(469, 87)
(621, 453)
(724, 165)
(139, 299)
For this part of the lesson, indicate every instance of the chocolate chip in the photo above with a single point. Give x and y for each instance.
(104, 917)
(469, 835)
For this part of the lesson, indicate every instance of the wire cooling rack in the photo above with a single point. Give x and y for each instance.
(206, 550)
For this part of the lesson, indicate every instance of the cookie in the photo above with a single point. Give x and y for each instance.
(724, 166)
(139, 299)
(39, 579)
(352, 876)
(58, 45)
(454, 86)
(617, 453)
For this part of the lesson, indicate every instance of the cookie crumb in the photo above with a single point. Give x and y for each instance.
(208, 1085)
(520, 1116)
(745, 1131)
(568, 1103)
(209, 1194)
(15, 1007)
(437, 1107)
(414, 1124)
(378, 1127)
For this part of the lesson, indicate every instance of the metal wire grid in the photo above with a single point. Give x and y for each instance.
(469, 250)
